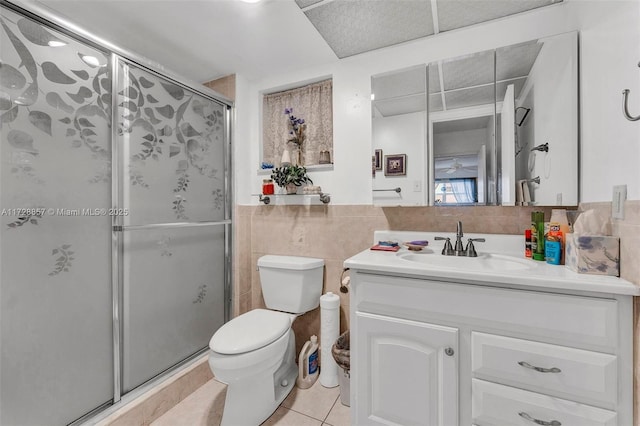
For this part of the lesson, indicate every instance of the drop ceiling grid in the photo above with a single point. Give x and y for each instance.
(407, 82)
(351, 27)
(404, 105)
(470, 70)
(357, 26)
(517, 60)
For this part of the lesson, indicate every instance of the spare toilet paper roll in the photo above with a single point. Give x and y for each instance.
(329, 333)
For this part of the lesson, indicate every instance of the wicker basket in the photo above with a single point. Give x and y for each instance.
(340, 351)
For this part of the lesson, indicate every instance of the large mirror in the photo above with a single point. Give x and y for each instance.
(500, 127)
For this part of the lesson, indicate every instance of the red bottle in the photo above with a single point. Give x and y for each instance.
(267, 187)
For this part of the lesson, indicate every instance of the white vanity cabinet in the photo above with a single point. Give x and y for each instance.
(428, 350)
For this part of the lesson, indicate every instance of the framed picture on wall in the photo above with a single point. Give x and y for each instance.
(378, 159)
(395, 165)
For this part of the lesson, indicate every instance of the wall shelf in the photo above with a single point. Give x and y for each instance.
(311, 168)
(294, 199)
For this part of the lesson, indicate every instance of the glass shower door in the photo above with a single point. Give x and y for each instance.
(173, 195)
(56, 360)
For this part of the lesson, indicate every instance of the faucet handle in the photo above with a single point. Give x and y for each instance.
(447, 250)
(470, 251)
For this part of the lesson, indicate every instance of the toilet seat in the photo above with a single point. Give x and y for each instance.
(250, 331)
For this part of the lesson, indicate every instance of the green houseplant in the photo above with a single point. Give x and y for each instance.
(290, 177)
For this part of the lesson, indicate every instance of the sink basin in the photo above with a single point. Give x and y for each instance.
(484, 262)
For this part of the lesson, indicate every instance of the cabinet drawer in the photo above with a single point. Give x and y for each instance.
(558, 318)
(498, 405)
(589, 377)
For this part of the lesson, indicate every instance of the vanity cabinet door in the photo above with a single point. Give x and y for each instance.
(407, 372)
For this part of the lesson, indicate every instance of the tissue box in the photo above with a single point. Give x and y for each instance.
(593, 254)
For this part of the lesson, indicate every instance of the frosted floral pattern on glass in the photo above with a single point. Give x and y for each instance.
(55, 146)
(173, 140)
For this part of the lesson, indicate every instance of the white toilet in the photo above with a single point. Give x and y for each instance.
(254, 353)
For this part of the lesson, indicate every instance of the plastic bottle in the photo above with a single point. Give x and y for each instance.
(559, 217)
(308, 364)
(537, 235)
(553, 246)
(527, 243)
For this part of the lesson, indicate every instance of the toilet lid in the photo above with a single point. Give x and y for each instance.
(250, 331)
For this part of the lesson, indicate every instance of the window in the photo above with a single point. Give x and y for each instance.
(456, 191)
(314, 104)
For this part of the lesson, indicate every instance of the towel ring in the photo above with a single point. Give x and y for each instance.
(625, 105)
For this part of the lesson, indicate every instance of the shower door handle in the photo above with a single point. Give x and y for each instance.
(122, 228)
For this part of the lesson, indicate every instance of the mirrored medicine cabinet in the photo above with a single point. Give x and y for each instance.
(497, 127)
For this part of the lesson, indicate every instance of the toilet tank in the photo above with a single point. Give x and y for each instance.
(291, 283)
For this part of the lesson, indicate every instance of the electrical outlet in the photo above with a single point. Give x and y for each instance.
(417, 186)
(559, 199)
(619, 197)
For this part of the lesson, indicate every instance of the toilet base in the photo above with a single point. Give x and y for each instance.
(251, 402)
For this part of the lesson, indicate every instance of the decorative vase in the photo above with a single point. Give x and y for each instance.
(297, 154)
(291, 188)
(286, 158)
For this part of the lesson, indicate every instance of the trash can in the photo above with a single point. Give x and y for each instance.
(341, 354)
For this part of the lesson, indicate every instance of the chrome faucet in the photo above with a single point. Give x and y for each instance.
(459, 250)
(470, 251)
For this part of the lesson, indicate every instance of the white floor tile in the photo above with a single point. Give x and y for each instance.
(314, 402)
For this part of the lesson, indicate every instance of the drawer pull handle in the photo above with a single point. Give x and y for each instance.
(539, 422)
(539, 369)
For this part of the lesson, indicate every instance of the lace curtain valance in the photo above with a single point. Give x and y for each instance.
(313, 103)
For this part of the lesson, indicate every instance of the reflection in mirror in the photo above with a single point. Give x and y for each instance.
(537, 95)
(461, 169)
(398, 124)
(490, 115)
(461, 129)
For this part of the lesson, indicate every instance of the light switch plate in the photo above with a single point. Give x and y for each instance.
(619, 197)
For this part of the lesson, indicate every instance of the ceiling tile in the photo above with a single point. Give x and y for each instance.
(517, 60)
(404, 105)
(469, 70)
(356, 26)
(435, 102)
(454, 14)
(402, 83)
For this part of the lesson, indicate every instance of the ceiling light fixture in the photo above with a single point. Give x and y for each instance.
(250, 1)
(373, 96)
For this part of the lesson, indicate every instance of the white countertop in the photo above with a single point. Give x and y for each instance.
(541, 275)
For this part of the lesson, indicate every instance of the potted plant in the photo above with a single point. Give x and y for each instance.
(290, 177)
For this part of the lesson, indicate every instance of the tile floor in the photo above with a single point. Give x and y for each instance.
(314, 407)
